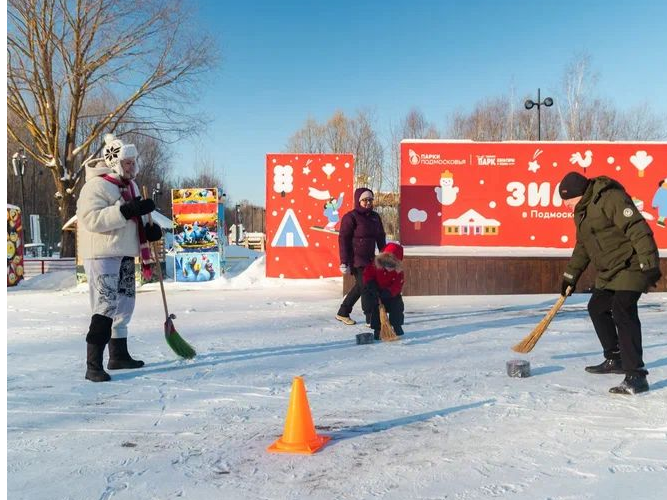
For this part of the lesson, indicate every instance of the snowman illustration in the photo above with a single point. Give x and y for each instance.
(446, 192)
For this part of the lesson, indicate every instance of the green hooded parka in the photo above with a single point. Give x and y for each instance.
(614, 236)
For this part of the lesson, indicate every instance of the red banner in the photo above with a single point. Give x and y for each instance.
(306, 196)
(506, 193)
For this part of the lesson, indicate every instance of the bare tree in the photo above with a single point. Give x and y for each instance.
(497, 119)
(642, 124)
(154, 169)
(341, 134)
(63, 53)
(336, 133)
(586, 116)
(364, 143)
(578, 106)
(413, 126)
(309, 139)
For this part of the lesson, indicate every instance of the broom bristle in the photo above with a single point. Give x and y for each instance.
(180, 346)
(177, 343)
(527, 344)
(387, 333)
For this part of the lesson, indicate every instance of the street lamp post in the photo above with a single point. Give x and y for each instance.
(18, 163)
(237, 222)
(548, 101)
(157, 192)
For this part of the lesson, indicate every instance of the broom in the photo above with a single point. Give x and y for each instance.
(177, 343)
(387, 333)
(527, 344)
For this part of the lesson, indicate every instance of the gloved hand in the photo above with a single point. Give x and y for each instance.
(372, 288)
(653, 275)
(344, 269)
(563, 287)
(385, 295)
(153, 232)
(137, 208)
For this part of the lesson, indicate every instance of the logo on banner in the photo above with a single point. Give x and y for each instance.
(431, 159)
(494, 161)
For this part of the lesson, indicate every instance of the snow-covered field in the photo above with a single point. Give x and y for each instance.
(432, 416)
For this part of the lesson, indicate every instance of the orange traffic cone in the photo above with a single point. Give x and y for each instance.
(299, 435)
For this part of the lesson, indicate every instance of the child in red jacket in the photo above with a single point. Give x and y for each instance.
(383, 281)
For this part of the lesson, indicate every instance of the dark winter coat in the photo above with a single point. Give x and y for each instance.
(361, 230)
(614, 236)
(387, 270)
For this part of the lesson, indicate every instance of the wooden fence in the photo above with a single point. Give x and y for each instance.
(449, 275)
(36, 266)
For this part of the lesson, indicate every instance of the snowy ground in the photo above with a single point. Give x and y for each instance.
(433, 416)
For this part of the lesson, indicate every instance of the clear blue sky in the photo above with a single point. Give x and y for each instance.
(285, 61)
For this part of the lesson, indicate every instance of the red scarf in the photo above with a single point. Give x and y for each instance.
(128, 193)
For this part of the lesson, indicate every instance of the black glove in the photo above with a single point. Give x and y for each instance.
(564, 285)
(153, 232)
(653, 275)
(371, 288)
(385, 295)
(137, 208)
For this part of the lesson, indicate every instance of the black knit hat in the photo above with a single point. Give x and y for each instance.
(573, 184)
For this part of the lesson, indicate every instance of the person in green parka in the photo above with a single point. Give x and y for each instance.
(614, 236)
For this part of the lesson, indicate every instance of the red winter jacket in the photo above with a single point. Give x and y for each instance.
(387, 270)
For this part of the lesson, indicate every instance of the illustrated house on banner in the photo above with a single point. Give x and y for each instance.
(471, 223)
(289, 233)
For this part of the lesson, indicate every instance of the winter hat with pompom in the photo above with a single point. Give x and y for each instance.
(115, 151)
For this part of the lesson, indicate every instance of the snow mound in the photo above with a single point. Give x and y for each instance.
(57, 280)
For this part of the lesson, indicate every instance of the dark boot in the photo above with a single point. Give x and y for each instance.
(632, 384)
(119, 358)
(94, 369)
(376, 334)
(398, 329)
(607, 366)
(97, 338)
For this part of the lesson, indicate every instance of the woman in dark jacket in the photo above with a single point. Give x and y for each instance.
(361, 230)
(613, 236)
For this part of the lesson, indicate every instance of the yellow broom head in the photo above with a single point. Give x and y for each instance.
(387, 333)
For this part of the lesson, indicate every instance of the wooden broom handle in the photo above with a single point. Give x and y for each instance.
(157, 261)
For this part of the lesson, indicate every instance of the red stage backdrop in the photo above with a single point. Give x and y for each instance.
(306, 196)
(506, 193)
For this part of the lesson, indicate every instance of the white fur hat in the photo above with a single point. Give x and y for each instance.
(114, 151)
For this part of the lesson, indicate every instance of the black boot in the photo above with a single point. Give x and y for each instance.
(94, 369)
(97, 338)
(119, 358)
(607, 366)
(632, 384)
(376, 334)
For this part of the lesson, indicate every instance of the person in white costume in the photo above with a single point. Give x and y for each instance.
(111, 233)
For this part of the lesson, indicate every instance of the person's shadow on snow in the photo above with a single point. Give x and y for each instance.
(415, 318)
(215, 358)
(411, 337)
(360, 430)
(521, 315)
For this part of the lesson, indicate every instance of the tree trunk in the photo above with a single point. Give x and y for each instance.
(67, 238)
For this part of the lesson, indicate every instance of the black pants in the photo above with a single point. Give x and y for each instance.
(616, 320)
(394, 306)
(353, 295)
